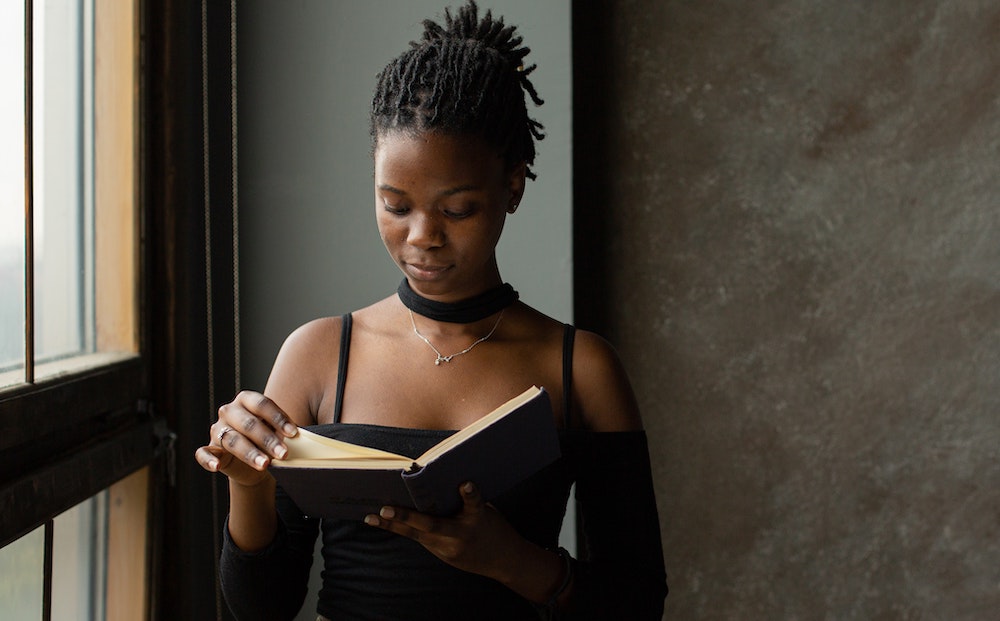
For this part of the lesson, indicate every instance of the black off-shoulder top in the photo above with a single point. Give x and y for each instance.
(369, 573)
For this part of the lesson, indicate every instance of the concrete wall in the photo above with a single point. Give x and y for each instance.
(788, 220)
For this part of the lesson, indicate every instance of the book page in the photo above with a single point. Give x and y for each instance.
(312, 446)
(347, 463)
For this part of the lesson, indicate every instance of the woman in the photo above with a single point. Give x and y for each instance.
(453, 145)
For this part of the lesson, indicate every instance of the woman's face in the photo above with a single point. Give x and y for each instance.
(440, 204)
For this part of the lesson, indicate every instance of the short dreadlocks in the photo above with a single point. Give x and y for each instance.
(466, 77)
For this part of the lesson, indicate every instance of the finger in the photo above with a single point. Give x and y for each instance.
(207, 458)
(267, 409)
(389, 523)
(218, 432)
(247, 451)
(217, 459)
(412, 524)
(237, 425)
(472, 500)
(214, 458)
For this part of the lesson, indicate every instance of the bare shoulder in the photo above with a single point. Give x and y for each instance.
(602, 392)
(313, 337)
(301, 369)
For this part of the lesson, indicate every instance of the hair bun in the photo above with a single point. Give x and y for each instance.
(490, 32)
(466, 75)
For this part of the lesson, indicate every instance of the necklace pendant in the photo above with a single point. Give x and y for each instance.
(441, 357)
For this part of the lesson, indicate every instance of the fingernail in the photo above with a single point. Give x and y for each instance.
(213, 465)
(260, 460)
(280, 451)
(387, 513)
(469, 488)
(290, 429)
(371, 520)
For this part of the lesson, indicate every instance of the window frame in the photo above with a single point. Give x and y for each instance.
(66, 437)
(185, 87)
(41, 427)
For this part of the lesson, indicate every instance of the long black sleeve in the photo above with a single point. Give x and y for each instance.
(271, 584)
(622, 574)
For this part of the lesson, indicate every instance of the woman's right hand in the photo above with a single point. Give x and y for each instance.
(249, 433)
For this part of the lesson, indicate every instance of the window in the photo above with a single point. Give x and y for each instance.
(78, 547)
(82, 275)
(74, 435)
(12, 187)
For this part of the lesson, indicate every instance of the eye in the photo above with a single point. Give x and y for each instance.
(459, 212)
(394, 209)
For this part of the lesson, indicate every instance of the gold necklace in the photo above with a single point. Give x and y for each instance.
(441, 357)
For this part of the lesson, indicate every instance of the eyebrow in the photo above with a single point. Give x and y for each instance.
(449, 192)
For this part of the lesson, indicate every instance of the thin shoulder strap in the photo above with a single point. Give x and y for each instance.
(345, 350)
(569, 332)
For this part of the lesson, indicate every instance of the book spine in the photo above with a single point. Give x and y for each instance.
(424, 500)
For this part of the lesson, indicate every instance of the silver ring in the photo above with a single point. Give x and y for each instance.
(223, 432)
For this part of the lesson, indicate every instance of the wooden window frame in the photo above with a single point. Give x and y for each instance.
(85, 425)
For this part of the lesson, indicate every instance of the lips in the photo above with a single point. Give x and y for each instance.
(425, 271)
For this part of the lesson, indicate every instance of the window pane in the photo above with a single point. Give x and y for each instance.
(22, 582)
(63, 316)
(11, 193)
(84, 188)
(79, 546)
(79, 550)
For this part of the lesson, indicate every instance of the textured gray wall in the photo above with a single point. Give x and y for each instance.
(788, 222)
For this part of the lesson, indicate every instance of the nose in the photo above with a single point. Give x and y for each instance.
(426, 231)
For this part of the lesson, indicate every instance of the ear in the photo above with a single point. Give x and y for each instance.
(515, 184)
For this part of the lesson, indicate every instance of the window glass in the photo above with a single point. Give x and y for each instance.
(79, 547)
(22, 578)
(62, 148)
(11, 192)
(79, 550)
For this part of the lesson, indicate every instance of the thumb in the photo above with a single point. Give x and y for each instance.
(471, 498)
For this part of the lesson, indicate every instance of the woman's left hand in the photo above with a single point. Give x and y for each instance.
(477, 539)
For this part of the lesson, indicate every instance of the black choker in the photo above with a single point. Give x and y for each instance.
(466, 311)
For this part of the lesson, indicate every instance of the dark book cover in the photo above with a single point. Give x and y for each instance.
(497, 457)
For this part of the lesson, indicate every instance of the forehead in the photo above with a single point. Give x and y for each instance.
(431, 157)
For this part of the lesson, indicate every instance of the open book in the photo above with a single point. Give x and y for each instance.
(334, 479)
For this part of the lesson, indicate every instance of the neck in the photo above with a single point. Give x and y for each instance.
(469, 310)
